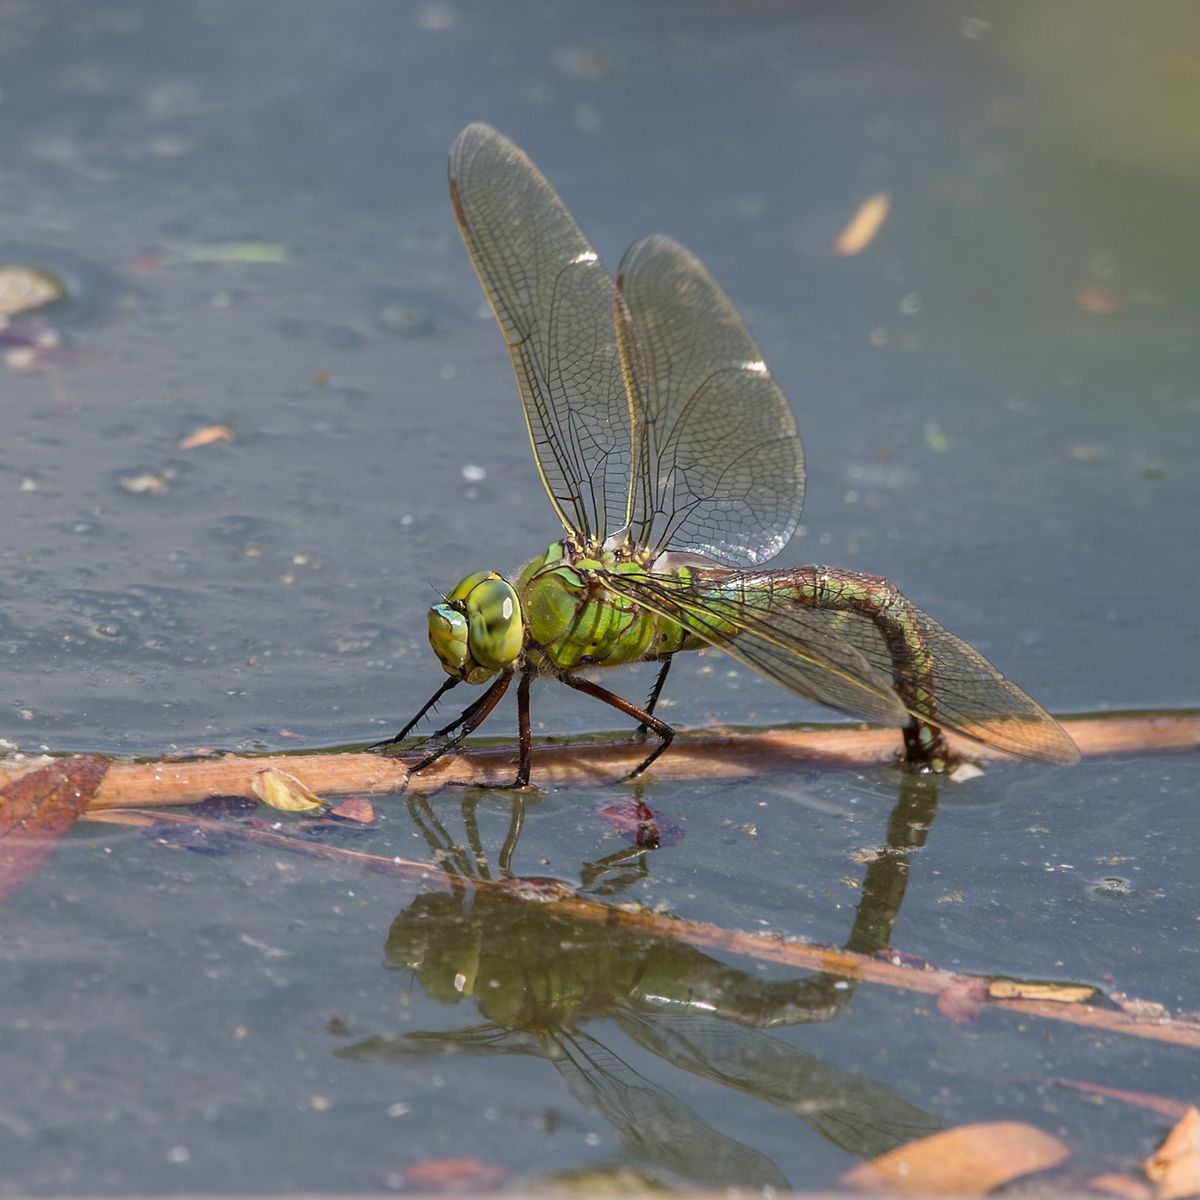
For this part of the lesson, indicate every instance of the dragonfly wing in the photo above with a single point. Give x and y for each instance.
(718, 467)
(789, 644)
(554, 301)
(950, 684)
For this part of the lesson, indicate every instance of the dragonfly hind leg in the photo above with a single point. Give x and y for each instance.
(648, 719)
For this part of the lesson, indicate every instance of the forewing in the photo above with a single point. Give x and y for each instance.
(789, 644)
(956, 688)
(554, 301)
(718, 467)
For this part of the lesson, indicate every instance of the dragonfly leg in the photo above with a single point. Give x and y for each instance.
(648, 719)
(655, 692)
(452, 681)
(466, 722)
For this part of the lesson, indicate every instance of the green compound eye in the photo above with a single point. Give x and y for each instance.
(494, 620)
(479, 629)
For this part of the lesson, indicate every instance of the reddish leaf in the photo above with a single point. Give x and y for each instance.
(962, 1000)
(38, 808)
(458, 1174)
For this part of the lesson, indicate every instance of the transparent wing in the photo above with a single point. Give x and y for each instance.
(948, 683)
(841, 657)
(789, 644)
(717, 465)
(554, 301)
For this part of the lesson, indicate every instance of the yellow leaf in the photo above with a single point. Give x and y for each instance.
(283, 791)
(206, 436)
(863, 226)
(967, 1161)
(1017, 989)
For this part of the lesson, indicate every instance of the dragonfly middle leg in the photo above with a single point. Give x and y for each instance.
(647, 719)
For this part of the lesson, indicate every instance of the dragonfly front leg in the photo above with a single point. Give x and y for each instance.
(453, 681)
(647, 719)
(466, 723)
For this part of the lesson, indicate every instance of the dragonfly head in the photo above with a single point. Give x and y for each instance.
(478, 630)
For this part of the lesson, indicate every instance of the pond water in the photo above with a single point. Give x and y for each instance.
(999, 407)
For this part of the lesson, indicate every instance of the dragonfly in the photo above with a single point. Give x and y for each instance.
(671, 457)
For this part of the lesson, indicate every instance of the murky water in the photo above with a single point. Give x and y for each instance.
(999, 407)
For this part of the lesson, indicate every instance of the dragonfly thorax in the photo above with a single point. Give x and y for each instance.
(478, 629)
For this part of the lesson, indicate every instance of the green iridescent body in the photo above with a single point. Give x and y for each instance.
(573, 620)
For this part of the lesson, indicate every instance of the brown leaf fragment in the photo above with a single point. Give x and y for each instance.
(284, 792)
(1174, 1168)
(962, 1000)
(357, 809)
(1125, 1187)
(1098, 299)
(38, 808)
(966, 1161)
(1032, 989)
(1174, 1109)
(863, 227)
(205, 436)
(453, 1174)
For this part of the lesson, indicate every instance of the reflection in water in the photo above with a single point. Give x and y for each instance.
(538, 979)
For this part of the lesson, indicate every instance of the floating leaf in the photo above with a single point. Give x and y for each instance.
(357, 809)
(206, 436)
(1174, 1168)
(1122, 1186)
(1018, 989)
(962, 1000)
(1162, 1105)
(967, 1161)
(182, 253)
(863, 226)
(23, 288)
(38, 808)
(453, 1174)
(283, 791)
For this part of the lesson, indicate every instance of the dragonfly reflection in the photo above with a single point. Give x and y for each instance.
(540, 981)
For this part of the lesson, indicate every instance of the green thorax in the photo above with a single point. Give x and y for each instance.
(572, 619)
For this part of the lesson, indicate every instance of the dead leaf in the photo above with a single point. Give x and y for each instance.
(38, 808)
(967, 1161)
(962, 1000)
(1125, 1187)
(205, 436)
(1174, 1168)
(1159, 1104)
(1098, 299)
(863, 226)
(457, 1174)
(355, 809)
(283, 791)
(1021, 989)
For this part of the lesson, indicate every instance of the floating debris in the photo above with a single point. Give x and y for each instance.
(24, 288)
(863, 226)
(205, 436)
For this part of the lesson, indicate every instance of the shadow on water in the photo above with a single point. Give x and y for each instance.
(541, 982)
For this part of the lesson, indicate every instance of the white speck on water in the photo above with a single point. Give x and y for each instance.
(473, 474)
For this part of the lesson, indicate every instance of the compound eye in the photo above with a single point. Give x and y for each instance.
(497, 631)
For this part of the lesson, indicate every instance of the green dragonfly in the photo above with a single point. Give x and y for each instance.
(672, 460)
